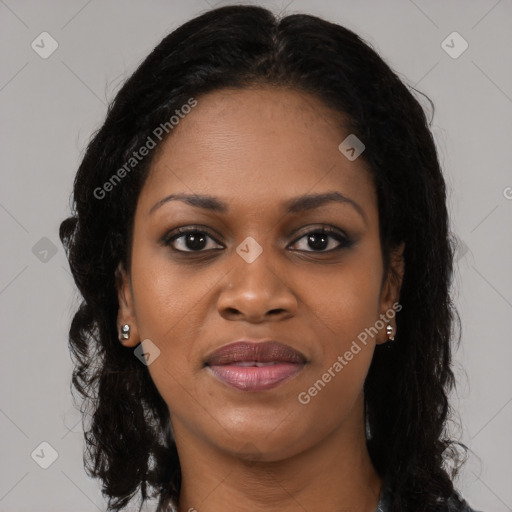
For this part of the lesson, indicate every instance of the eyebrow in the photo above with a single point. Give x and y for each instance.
(295, 205)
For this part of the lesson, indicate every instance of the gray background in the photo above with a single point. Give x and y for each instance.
(50, 107)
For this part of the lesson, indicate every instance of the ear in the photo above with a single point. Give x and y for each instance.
(391, 292)
(126, 312)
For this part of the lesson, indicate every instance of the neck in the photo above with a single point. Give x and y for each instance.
(335, 474)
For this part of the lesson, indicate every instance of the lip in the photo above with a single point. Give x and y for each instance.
(255, 365)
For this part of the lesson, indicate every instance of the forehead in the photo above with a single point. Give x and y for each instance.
(258, 144)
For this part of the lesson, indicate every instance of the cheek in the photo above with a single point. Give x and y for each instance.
(344, 299)
(335, 384)
(166, 298)
(344, 305)
(169, 306)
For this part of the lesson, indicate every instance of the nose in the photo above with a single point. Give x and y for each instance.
(256, 293)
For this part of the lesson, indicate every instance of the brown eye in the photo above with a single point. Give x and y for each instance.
(323, 240)
(191, 240)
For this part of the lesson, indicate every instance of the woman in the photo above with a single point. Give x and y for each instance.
(262, 244)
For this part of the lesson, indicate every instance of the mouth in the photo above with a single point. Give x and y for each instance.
(251, 366)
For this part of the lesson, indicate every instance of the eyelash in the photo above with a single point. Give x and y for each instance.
(344, 241)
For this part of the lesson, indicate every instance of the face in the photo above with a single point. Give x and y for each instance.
(256, 262)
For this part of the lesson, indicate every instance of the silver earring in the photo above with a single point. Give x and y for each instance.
(389, 332)
(125, 332)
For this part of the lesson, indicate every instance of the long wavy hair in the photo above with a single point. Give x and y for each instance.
(129, 442)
